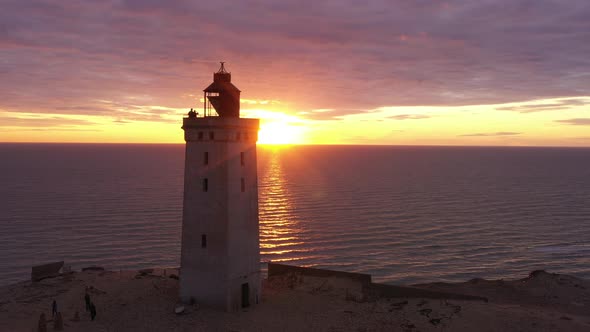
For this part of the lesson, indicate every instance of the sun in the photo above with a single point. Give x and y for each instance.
(280, 132)
(277, 127)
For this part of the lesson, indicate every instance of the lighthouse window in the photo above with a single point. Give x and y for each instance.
(243, 183)
(200, 135)
(206, 158)
(211, 135)
(238, 136)
(204, 241)
(205, 184)
(242, 158)
(246, 136)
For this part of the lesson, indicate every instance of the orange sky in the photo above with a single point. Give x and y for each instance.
(409, 125)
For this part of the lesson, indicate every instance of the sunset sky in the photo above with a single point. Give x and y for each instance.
(485, 72)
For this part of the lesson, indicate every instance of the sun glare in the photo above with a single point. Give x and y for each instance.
(279, 133)
(277, 127)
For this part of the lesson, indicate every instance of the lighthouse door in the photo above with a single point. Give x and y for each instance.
(245, 295)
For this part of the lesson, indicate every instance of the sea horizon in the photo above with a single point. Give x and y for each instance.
(279, 146)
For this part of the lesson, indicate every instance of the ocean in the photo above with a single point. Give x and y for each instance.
(403, 214)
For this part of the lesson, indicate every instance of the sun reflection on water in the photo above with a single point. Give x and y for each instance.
(279, 228)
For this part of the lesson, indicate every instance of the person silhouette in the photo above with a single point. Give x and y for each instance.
(92, 311)
(87, 299)
(53, 308)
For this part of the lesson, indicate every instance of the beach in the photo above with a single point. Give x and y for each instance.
(146, 300)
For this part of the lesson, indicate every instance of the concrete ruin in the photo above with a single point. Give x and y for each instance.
(49, 270)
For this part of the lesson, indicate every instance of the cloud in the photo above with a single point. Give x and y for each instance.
(409, 117)
(10, 121)
(333, 114)
(559, 105)
(496, 134)
(350, 56)
(52, 129)
(576, 122)
(122, 111)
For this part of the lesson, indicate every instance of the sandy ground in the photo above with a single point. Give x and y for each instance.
(130, 301)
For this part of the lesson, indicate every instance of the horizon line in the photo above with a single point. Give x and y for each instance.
(344, 144)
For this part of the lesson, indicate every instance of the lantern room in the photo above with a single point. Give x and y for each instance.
(222, 98)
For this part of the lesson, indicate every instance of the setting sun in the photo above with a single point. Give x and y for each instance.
(277, 127)
(280, 133)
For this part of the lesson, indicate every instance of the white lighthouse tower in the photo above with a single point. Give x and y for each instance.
(220, 256)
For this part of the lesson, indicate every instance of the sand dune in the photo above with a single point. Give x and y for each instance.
(133, 301)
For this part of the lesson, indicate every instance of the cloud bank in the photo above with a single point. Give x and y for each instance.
(409, 117)
(500, 133)
(69, 57)
(576, 122)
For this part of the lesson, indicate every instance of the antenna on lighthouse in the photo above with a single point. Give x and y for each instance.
(222, 68)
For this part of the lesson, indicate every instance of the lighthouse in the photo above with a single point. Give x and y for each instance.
(220, 254)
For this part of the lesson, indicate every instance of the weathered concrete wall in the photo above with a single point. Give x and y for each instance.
(48, 270)
(227, 213)
(243, 241)
(369, 288)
